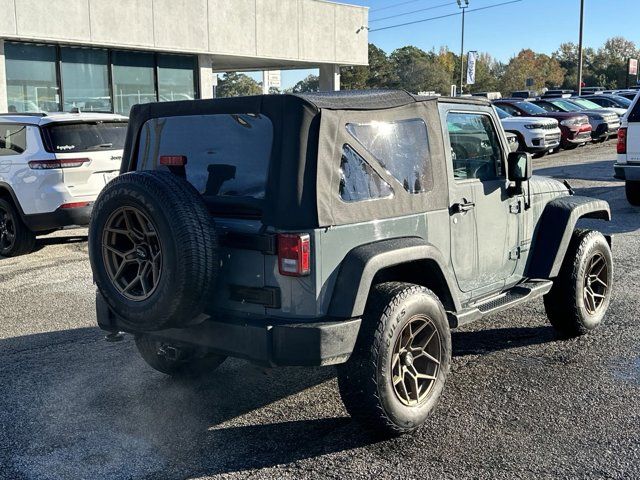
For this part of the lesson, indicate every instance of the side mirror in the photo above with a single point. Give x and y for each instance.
(519, 167)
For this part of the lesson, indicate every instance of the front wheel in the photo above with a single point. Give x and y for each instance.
(15, 238)
(176, 361)
(398, 369)
(581, 293)
(632, 190)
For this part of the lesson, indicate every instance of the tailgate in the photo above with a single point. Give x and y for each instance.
(89, 178)
(241, 261)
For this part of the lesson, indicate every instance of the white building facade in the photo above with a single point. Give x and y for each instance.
(107, 55)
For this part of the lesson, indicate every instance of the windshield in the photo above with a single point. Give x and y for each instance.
(530, 108)
(588, 104)
(621, 101)
(566, 106)
(86, 136)
(502, 114)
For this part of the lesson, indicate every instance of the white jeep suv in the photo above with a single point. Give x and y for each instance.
(537, 135)
(52, 168)
(627, 167)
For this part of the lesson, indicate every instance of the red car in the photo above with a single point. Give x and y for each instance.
(575, 127)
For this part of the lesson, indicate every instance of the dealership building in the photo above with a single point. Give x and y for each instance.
(107, 55)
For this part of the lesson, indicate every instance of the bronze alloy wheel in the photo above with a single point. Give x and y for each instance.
(7, 230)
(416, 360)
(132, 253)
(595, 289)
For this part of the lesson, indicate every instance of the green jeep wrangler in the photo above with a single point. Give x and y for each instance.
(352, 229)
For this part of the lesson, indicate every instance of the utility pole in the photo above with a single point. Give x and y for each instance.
(580, 48)
(463, 7)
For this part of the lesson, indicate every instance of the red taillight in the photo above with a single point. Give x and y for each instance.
(75, 205)
(173, 160)
(622, 140)
(57, 163)
(294, 254)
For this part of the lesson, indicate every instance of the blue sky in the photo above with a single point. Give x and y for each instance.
(503, 31)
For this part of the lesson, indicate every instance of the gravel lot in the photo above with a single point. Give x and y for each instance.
(520, 403)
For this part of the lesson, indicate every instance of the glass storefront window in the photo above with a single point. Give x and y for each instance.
(176, 78)
(133, 80)
(85, 79)
(32, 82)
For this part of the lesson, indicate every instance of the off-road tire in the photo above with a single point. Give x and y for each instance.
(632, 190)
(565, 304)
(365, 380)
(188, 243)
(24, 240)
(193, 363)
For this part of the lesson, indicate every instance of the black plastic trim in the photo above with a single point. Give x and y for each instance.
(554, 231)
(267, 296)
(62, 217)
(361, 264)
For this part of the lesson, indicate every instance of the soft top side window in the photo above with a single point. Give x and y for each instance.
(358, 181)
(401, 147)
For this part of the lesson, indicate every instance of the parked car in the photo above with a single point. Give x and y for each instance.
(628, 94)
(574, 127)
(591, 90)
(609, 101)
(627, 167)
(357, 240)
(603, 123)
(589, 105)
(524, 94)
(539, 135)
(52, 168)
(557, 93)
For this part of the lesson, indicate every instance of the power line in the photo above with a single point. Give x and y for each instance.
(395, 5)
(442, 16)
(414, 11)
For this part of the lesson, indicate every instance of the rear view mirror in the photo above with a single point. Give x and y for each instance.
(519, 166)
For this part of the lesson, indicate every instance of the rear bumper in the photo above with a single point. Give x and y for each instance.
(62, 217)
(625, 171)
(267, 341)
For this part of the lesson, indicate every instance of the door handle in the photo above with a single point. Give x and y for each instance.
(462, 207)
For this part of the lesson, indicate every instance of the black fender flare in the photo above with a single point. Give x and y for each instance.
(555, 227)
(5, 187)
(361, 264)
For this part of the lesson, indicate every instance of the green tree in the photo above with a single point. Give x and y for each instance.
(233, 84)
(417, 70)
(378, 74)
(309, 84)
(609, 64)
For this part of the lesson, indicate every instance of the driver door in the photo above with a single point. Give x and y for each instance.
(484, 218)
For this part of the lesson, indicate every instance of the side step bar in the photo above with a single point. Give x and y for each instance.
(515, 296)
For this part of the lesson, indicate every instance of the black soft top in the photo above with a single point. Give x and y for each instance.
(291, 199)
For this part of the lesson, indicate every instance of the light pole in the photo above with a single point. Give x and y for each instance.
(580, 48)
(463, 4)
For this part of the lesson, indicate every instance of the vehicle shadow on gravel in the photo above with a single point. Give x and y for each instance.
(95, 410)
(479, 342)
(601, 170)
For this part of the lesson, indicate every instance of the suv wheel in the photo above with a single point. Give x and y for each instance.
(632, 189)
(15, 238)
(582, 291)
(176, 361)
(153, 249)
(397, 372)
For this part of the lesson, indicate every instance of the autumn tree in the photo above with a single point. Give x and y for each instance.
(417, 70)
(545, 71)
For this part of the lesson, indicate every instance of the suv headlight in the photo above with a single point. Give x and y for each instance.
(571, 122)
(533, 126)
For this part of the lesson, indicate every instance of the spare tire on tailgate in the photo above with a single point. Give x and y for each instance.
(153, 250)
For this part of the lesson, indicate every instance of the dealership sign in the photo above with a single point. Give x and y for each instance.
(633, 66)
(471, 67)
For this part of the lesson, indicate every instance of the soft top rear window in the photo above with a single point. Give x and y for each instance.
(85, 136)
(227, 155)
